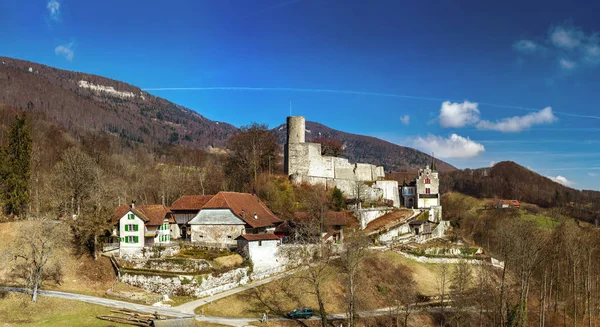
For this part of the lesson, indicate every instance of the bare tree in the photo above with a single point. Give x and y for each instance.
(253, 150)
(76, 178)
(460, 286)
(35, 259)
(442, 282)
(351, 256)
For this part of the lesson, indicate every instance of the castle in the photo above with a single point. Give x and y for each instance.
(305, 163)
(424, 192)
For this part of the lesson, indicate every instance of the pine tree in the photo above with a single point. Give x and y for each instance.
(17, 167)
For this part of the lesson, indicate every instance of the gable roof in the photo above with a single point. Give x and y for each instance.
(246, 206)
(258, 237)
(332, 218)
(191, 202)
(152, 215)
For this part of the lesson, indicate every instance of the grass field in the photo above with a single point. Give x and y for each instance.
(18, 310)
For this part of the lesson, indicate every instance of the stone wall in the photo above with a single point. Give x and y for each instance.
(221, 234)
(199, 286)
(304, 163)
(365, 216)
(170, 264)
(396, 234)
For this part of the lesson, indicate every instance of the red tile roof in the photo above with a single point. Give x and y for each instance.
(246, 206)
(152, 215)
(258, 237)
(191, 202)
(332, 218)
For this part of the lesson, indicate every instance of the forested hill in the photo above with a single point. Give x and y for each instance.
(508, 180)
(91, 103)
(367, 149)
(94, 103)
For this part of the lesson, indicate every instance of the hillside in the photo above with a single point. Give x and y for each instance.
(77, 100)
(360, 148)
(510, 180)
(80, 101)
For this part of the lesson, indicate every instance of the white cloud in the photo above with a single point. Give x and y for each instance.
(519, 123)
(458, 114)
(562, 180)
(567, 64)
(566, 37)
(571, 46)
(53, 7)
(65, 51)
(593, 174)
(405, 119)
(592, 50)
(454, 146)
(527, 46)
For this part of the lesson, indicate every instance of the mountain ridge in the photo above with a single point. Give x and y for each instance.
(91, 102)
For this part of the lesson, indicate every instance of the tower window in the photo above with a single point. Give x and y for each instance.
(428, 191)
(427, 180)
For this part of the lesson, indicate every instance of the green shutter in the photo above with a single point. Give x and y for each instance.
(126, 228)
(135, 228)
(135, 239)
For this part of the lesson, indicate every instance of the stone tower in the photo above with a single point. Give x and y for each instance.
(296, 134)
(296, 129)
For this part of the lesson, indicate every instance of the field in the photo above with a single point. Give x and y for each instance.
(286, 294)
(18, 310)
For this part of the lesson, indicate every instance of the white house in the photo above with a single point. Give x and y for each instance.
(230, 214)
(141, 226)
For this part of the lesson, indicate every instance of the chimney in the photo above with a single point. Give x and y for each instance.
(255, 216)
(132, 204)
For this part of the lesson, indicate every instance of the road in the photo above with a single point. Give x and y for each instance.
(177, 312)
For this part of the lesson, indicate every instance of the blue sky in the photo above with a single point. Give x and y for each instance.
(475, 82)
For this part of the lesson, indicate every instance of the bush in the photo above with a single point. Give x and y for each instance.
(531, 208)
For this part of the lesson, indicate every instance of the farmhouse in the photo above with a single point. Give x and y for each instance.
(184, 209)
(141, 226)
(230, 214)
(506, 204)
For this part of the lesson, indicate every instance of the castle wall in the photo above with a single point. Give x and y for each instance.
(304, 163)
(389, 191)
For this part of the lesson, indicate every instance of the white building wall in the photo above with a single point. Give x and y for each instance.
(264, 256)
(128, 248)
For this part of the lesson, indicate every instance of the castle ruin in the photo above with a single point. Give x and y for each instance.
(305, 163)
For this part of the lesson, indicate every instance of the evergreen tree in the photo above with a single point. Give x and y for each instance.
(17, 167)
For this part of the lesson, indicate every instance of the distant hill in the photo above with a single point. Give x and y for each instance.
(91, 102)
(360, 148)
(80, 101)
(509, 180)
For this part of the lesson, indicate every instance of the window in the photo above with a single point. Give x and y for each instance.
(427, 180)
(131, 239)
(428, 191)
(130, 216)
(131, 228)
(228, 236)
(259, 243)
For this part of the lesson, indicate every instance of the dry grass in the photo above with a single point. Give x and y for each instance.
(290, 293)
(81, 273)
(233, 260)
